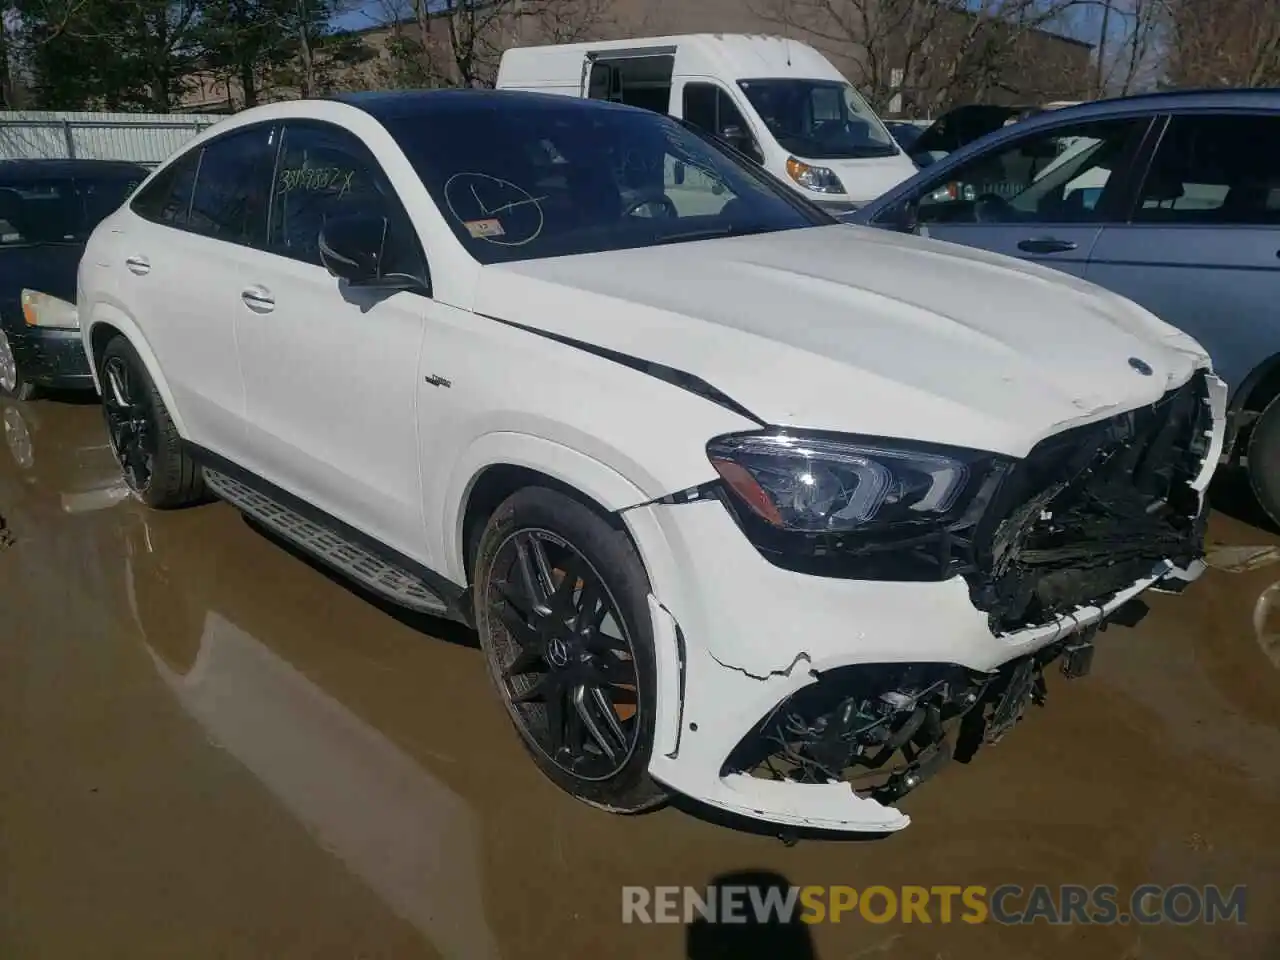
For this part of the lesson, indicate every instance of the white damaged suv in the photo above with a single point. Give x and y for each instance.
(744, 504)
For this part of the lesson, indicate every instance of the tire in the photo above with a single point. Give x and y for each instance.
(575, 538)
(12, 384)
(171, 478)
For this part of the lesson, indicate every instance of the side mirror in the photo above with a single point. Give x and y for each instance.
(742, 141)
(906, 216)
(351, 248)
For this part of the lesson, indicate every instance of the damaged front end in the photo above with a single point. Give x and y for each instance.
(1053, 548)
(1094, 509)
(887, 728)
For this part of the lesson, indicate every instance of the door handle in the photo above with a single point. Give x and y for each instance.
(1046, 245)
(138, 265)
(258, 299)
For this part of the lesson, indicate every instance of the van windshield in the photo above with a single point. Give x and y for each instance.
(819, 119)
(522, 177)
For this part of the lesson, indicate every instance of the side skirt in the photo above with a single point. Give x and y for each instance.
(357, 556)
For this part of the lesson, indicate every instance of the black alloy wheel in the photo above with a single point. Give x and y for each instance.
(567, 659)
(127, 408)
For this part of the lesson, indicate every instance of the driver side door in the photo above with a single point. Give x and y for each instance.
(1042, 197)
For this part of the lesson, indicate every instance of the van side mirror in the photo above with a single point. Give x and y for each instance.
(742, 141)
(352, 249)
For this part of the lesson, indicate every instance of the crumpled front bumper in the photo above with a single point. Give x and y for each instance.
(736, 636)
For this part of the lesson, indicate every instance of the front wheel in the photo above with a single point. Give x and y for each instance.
(12, 383)
(561, 604)
(142, 434)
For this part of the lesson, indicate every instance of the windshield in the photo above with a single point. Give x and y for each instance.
(819, 119)
(530, 179)
(43, 210)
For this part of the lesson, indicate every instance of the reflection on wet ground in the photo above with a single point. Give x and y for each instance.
(210, 748)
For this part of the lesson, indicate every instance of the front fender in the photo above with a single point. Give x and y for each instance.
(104, 312)
(591, 477)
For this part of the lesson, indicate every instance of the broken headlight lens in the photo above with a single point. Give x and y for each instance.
(835, 485)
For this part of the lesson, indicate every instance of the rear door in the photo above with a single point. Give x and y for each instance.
(1201, 247)
(179, 262)
(1043, 196)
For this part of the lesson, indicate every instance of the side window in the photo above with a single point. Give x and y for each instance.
(324, 172)
(710, 108)
(233, 187)
(1214, 170)
(167, 198)
(1051, 176)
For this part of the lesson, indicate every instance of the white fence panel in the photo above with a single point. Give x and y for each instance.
(145, 138)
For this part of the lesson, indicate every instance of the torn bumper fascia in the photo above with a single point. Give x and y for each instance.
(736, 636)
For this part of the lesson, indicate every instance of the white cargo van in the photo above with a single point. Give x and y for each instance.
(777, 100)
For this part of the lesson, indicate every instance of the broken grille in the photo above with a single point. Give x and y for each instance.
(1092, 510)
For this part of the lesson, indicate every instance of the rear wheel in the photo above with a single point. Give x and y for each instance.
(561, 603)
(12, 383)
(141, 432)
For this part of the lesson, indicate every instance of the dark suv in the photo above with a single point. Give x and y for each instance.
(47, 210)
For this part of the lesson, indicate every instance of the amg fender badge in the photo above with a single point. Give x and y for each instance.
(1141, 366)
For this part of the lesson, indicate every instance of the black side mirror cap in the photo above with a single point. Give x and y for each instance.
(352, 249)
(906, 216)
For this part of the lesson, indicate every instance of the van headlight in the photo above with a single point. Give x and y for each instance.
(822, 484)
(817, 179)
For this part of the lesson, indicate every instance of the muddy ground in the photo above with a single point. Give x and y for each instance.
(209, 748)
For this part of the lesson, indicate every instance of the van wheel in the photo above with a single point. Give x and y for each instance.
(141, 433)
(561, 605)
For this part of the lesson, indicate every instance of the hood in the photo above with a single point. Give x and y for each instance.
(858, 330)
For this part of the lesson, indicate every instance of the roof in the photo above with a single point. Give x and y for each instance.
(60, 169)
(394, 104)
(1225, 99)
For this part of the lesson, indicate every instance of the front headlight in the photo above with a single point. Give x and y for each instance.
(817, 179)
(815, 484)
(42, 310)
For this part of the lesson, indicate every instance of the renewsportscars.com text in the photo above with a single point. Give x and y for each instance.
(1005, 904)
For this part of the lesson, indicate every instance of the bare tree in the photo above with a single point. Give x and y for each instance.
(459, 42)
(1225, 43)
(921, 55)
(1132, 41)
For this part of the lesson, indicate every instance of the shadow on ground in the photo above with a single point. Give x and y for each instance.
(765, 937)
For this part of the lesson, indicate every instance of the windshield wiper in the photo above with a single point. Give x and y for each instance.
(713, 234)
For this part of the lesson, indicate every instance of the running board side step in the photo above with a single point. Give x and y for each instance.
(350, 559)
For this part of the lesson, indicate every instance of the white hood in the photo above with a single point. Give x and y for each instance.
(861, 331)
